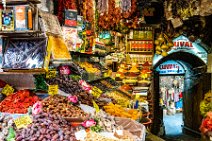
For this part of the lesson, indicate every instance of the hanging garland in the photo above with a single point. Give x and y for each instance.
(88, 12)
(112, 14)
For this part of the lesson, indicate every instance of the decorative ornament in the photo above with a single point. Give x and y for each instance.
(73, 99)
(37, 108)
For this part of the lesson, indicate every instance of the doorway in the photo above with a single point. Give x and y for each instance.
(171, 100)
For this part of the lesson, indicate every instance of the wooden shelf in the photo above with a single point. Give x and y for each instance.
(140, 39)
(22, 72)
(18, 2)
(140, 51)
(21, 33)
(88, 54)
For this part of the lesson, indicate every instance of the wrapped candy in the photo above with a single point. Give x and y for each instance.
(37, 108)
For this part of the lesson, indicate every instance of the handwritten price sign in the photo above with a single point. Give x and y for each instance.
(7, 90)
(95, 106)
(51, 74)
(53, 90)
(96, 92)
(23, 121)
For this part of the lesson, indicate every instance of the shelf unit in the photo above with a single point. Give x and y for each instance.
(22, 79)
(22, 72)
(21, 2)
(27, 33)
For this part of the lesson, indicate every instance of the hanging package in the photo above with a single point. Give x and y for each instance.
(24, 53)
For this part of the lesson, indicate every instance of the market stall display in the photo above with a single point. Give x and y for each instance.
(18, 102)
(100, 54)
(46, 127)
(6, 124)
(119, 111)
(60, 106)
(66, 84)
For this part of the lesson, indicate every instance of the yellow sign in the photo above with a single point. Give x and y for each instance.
(7, 90)
(51, 74)
(95, 106)
(53, 90)
(137, 96)
(96, 92)
(23, 121)
(118, 75)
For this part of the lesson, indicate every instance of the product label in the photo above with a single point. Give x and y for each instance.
(96, 92)
(7, 90)
(95, 106)
(118, 75)
(20, 17)
(53, 90)
(51, 74)
(23, 121)
(71, 18)
(65, 70)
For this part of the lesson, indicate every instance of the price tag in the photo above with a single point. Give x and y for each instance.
(51, 74)
(96, 92)
(137, 96)
(7, 90)
(80, 135)
(96, 106)
(23, 121)
(118, 75)
(97, 89)
(53, 90)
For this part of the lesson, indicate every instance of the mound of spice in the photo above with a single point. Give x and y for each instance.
(18, 102)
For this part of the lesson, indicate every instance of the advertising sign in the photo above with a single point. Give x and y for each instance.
(170, 67)
(183, 44)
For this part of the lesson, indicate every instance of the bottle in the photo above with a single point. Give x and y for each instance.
(149, 33)
(29, 19)
(132, 46)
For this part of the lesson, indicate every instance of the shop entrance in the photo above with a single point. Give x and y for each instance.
(185, 65)
(171, 101)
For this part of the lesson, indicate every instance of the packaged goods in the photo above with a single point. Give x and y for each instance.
(24, 53)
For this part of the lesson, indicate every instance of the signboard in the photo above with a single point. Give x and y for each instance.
(182, 44)
(23, 121)
(170, 67)
(53, 90)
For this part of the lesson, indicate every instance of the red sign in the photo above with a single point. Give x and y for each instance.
(183, 44)
(168, 66)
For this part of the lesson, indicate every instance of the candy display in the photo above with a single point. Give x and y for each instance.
(101, 86)
(119, 111)
(66, 84)
(47, 127)
(21, 52)
(121, 99)
(59, 105)
(130, 125)
(97, 137)
(18, 102)
(106, 122)
(58, 48)
(89, 67)
(5, 124)
(86, 98)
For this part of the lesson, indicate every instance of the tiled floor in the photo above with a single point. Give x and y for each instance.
(173, 124)
(173, 129)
